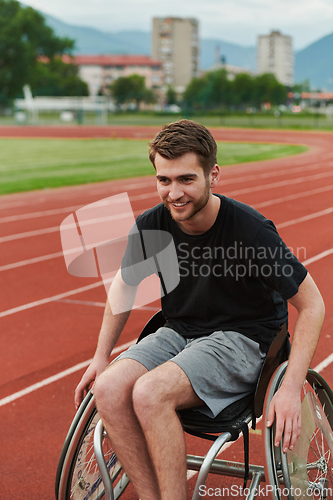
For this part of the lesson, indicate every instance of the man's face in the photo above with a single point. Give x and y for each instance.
(182, 185)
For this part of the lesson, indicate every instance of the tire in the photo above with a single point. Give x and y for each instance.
(78, 477)
(307, 471)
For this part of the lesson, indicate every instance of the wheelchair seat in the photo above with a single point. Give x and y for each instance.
(250, 406)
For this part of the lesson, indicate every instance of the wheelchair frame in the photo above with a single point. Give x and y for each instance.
(85, 457)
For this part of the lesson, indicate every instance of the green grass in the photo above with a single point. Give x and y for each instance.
(29, 164)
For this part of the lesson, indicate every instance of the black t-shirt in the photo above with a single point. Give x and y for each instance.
(236, 276)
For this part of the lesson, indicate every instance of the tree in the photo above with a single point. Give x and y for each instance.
(195, 94)
(212, 91)
(219, 89)
(24, 38)
(242, 90)
(266, 88)
(303, 86)
(131, 89)
(58, 78)
(171, 96)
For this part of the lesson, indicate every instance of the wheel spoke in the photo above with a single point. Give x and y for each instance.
(81, 478)
(308, 468)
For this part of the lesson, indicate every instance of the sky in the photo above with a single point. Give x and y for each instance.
(236, 21)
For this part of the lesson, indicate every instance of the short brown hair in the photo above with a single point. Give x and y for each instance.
(185, 136)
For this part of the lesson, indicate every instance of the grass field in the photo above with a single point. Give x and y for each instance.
(29, 164)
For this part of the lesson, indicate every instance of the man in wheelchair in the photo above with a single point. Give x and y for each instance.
(236, 277)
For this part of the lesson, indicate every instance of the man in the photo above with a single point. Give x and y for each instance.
(236, 275)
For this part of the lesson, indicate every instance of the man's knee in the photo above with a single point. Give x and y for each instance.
(106, 392)
(113, 388)
(149, 395)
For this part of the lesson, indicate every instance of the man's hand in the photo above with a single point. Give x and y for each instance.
(96, 367)
(286, 403)
(286, 408)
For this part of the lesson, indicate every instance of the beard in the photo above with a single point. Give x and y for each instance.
(197, 205)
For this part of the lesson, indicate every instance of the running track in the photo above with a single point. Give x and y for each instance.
(50, 320)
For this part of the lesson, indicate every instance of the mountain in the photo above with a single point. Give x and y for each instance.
(314, 63)
(93, 41)
(236, 55)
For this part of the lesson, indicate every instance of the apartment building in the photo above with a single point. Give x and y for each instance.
(175, 42)
(100, 71)
(275, 55)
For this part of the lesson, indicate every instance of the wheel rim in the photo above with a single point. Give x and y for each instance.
(310, 464)
(306, 472)
(86, 482)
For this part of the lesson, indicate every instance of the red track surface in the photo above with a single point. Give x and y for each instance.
(43, 340)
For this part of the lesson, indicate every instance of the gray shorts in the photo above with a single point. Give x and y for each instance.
(222, 367)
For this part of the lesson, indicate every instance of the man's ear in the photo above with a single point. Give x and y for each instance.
(215, 175)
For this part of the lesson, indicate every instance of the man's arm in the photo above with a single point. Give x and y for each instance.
(286, 404)
(121, 297)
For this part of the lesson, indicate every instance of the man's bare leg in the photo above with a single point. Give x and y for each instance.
(113, 392)
(156, 397)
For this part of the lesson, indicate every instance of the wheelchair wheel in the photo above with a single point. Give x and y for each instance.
(78, 477)
(307, 470)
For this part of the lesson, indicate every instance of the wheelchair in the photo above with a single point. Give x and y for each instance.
(88, 468)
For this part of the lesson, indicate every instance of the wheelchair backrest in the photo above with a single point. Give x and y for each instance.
(277, 353)
(153, 324)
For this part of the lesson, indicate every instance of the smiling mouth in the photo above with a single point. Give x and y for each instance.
(179, 205)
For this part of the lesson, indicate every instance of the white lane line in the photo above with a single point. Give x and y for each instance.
(82, 302)
(35, 260)
(56, 377)
(320, 256)
(287, 182)
(57, 211)
(292, 197)
(305, 218)
(324, 364)
(102, 304)
(13, 204)
(33, 215)
(28, 234)
(54, 229)
(36, 303)
(83, 190)
(272, 173)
